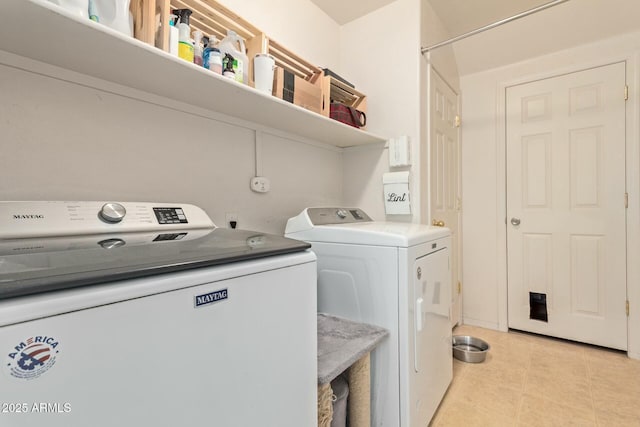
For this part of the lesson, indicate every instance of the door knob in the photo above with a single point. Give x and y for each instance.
(437, 223)
(515, 221)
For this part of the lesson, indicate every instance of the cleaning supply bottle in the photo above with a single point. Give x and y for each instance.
(205, 46)
(233, 45)
(173, 35)
(93, 13)
(215, 60)
(197, 47)
(185, 47)
(211, 41)
(212, 58)
(228, 67)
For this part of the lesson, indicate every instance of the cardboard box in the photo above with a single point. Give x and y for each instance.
(298, 91)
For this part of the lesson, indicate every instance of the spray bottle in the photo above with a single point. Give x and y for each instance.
(185, 47)
(228, 67)
(233, 45)
(197, 47)
(173, 35)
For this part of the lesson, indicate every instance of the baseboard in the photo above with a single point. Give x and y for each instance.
(481, 324)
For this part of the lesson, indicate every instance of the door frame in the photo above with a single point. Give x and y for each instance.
(632, 134)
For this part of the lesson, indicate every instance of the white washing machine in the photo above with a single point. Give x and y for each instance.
(141, 314)
(394, 275)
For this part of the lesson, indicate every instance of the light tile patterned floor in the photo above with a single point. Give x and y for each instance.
(528, 380)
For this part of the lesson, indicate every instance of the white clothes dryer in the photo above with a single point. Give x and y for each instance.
(394, 275)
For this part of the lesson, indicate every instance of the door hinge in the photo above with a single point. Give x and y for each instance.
(626, 200)
(459, 287)
(458, 121)
(626, 92)
(627, 308)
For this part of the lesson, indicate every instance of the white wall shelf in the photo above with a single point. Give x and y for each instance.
(45, 32)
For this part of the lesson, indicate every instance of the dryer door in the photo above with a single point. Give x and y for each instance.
(432, 297)
(432, 332)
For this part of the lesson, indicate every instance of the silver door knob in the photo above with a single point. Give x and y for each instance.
(515, 221)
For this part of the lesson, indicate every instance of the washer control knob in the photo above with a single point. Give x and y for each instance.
(112, 212)
(342, 214)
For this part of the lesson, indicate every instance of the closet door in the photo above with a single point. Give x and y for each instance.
(566, 210)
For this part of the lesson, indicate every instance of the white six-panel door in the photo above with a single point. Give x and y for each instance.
(445, 176)
(566, 205)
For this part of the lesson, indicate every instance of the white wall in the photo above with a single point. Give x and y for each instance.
(299, 25)
(442, 59)
(483, 175)
(65, 136)
(380, 55)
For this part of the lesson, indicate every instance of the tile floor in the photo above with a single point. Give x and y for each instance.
(528, 380)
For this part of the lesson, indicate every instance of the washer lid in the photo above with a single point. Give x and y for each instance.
(361, 232)
(31, 266)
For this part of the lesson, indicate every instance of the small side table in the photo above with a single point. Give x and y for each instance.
(345, 345)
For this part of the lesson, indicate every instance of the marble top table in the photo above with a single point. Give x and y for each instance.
(342, 342)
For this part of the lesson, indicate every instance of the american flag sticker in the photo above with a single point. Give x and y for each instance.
(32, 357)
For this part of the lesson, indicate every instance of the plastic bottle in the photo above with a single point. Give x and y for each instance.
(93, 13)
(173, 35)
(205, 48)
(211, 58)
(228, 67)
(185, 47)
(215, 60)
(233, 45)
(197, 47)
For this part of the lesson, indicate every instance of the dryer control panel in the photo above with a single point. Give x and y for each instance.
(323, 216)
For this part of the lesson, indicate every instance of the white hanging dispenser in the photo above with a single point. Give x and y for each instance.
(397, 200)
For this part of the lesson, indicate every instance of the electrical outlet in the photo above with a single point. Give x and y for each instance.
(231, 219)
(260, 184)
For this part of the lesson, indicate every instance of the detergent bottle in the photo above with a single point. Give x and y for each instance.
(233, 45)
(185, 47)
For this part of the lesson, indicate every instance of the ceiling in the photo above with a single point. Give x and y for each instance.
(343, 11)
(462, 16)
(569, 24)
(459, 16)
(565, 26)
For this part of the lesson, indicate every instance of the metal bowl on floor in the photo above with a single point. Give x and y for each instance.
(470, 349)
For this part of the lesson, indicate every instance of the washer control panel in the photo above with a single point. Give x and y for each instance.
(48, 219)
(323, 216)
